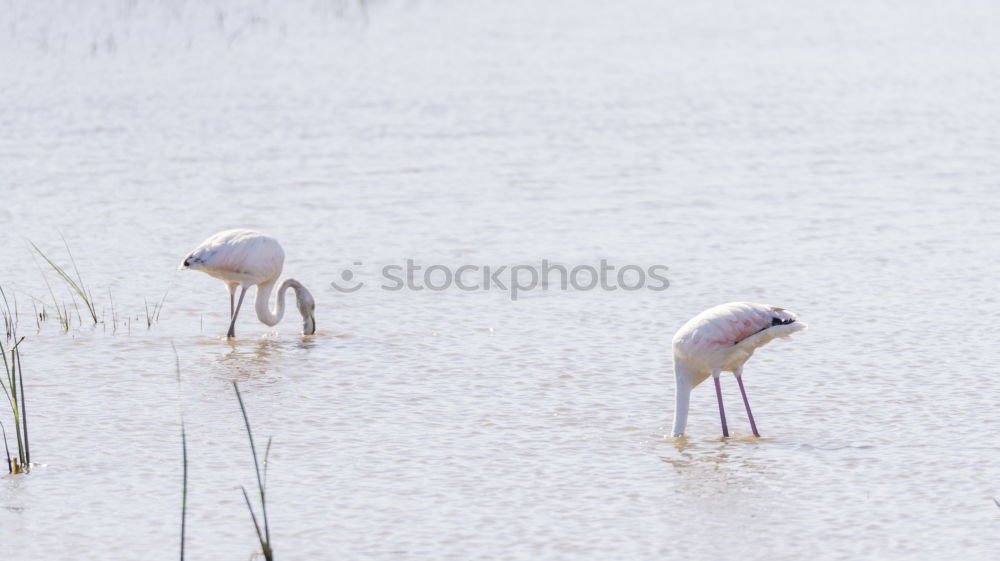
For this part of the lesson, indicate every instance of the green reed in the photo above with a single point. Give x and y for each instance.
(184, 451)
(77, 285)
(78, 290)
(263, 537)
(13, 387)
(153, 315)
(61, 313)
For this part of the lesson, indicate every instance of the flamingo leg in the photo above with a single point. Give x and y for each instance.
(232, 299)
(753, 425)
(232, 324)
(722, 410)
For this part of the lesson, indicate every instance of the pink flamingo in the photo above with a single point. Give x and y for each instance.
(721, 339)
(244, 258)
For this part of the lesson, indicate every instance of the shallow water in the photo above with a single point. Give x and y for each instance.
(839, 161)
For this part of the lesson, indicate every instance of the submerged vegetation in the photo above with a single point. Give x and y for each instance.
(13, 388)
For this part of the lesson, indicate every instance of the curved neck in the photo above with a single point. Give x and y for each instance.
(264, 313)
(682, 397)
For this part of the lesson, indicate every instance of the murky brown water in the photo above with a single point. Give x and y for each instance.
(840, 161)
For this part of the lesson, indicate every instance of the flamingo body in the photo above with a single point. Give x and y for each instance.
(240, 256)
(722, 339)
(244, 258)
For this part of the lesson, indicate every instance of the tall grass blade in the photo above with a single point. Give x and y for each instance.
(265, 538)
(10, 466)
(114, 314)
(89, 299)
(253, 517)
(267, 453)
(78, 288)
(63, 320)
(14, 377)
(10, 389)
(184, 493)
(184, 451)
(24, 407)
(159, 307)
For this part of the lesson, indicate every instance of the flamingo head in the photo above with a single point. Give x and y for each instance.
(307, 307)
(188, 263)
(783, 323)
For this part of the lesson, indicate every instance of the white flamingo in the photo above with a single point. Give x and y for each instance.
(243, 258)
(721, 339)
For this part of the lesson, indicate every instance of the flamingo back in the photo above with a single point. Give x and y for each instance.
(242, 256)
(724, 337)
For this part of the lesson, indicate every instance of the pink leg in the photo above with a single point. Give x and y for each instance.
(753, 425)
(722, 411)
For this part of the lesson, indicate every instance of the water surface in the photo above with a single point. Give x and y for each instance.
(839, 161)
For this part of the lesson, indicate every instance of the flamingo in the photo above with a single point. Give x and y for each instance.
(721, 339)
(242, 258)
